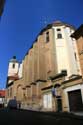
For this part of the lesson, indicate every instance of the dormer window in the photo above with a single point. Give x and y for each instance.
(13, 66)
(47, 37)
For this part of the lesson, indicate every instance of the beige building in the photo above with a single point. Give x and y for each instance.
(67, 95)
(78, 35)
(47, 70)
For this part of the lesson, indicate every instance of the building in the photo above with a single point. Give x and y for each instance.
(2, 2)
(73, 88)
(72, 94)
(2, 98)
(68, 90)
(78, 35)
(51, 62)
(65, 49)
(14, 73)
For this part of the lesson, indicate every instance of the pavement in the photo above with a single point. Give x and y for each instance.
(23, 117)
(78, 113)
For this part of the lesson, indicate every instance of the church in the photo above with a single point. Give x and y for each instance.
(49, 78)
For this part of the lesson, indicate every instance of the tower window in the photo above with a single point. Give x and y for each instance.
(13, 66)
(59, 35)
(75, 56)
(47, 37)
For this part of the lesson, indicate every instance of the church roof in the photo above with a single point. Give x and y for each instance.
(56, 23)
(2, 93)
(49, 26)
(14, 60)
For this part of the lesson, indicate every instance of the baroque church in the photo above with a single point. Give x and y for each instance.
(49, 77)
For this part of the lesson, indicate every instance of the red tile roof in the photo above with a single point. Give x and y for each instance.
(2, 93)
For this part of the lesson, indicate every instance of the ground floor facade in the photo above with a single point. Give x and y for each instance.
(56, 94)
(73, 95)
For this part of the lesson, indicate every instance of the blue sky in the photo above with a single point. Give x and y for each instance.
(23, 19)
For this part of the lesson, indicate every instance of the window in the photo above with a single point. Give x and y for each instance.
(47, 37)
(13, 66)
(58, 29)
(59, 35)
(47, 100)
(75, 56)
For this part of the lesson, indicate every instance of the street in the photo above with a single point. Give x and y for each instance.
(23, 117)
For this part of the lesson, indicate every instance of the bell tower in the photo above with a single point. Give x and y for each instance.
(13, 69)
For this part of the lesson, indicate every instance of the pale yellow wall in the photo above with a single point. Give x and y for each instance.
(80, 52)
(39, 63)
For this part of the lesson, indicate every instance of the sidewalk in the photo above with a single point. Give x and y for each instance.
(78, 113)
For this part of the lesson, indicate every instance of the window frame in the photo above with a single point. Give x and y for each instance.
(58, 29)
(13, 65)
(47, 37)
(59, 36)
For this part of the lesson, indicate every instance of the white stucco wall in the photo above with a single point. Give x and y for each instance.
(20, 70)
(65, 51)
(12, 71)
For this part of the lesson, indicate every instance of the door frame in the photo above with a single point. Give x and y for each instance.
(72, 88)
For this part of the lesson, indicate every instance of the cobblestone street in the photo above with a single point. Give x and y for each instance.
(30, 117)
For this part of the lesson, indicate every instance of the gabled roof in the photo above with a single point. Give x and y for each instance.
(14, 60)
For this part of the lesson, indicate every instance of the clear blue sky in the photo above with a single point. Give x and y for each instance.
(23, 19)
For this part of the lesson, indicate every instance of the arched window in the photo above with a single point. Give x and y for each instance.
(13, 66)
(47, 37)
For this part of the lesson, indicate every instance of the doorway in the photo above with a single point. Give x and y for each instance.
(75, 100)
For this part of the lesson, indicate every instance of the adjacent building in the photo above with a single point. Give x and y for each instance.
(2, 98)
(2, 2)
(78, 35)
(49, 73)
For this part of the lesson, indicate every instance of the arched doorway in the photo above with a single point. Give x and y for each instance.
(19, 94)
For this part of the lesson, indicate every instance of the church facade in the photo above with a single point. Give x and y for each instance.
(49, 77)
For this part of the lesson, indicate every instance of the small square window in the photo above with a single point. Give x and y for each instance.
(58, 29)
(59, 35)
